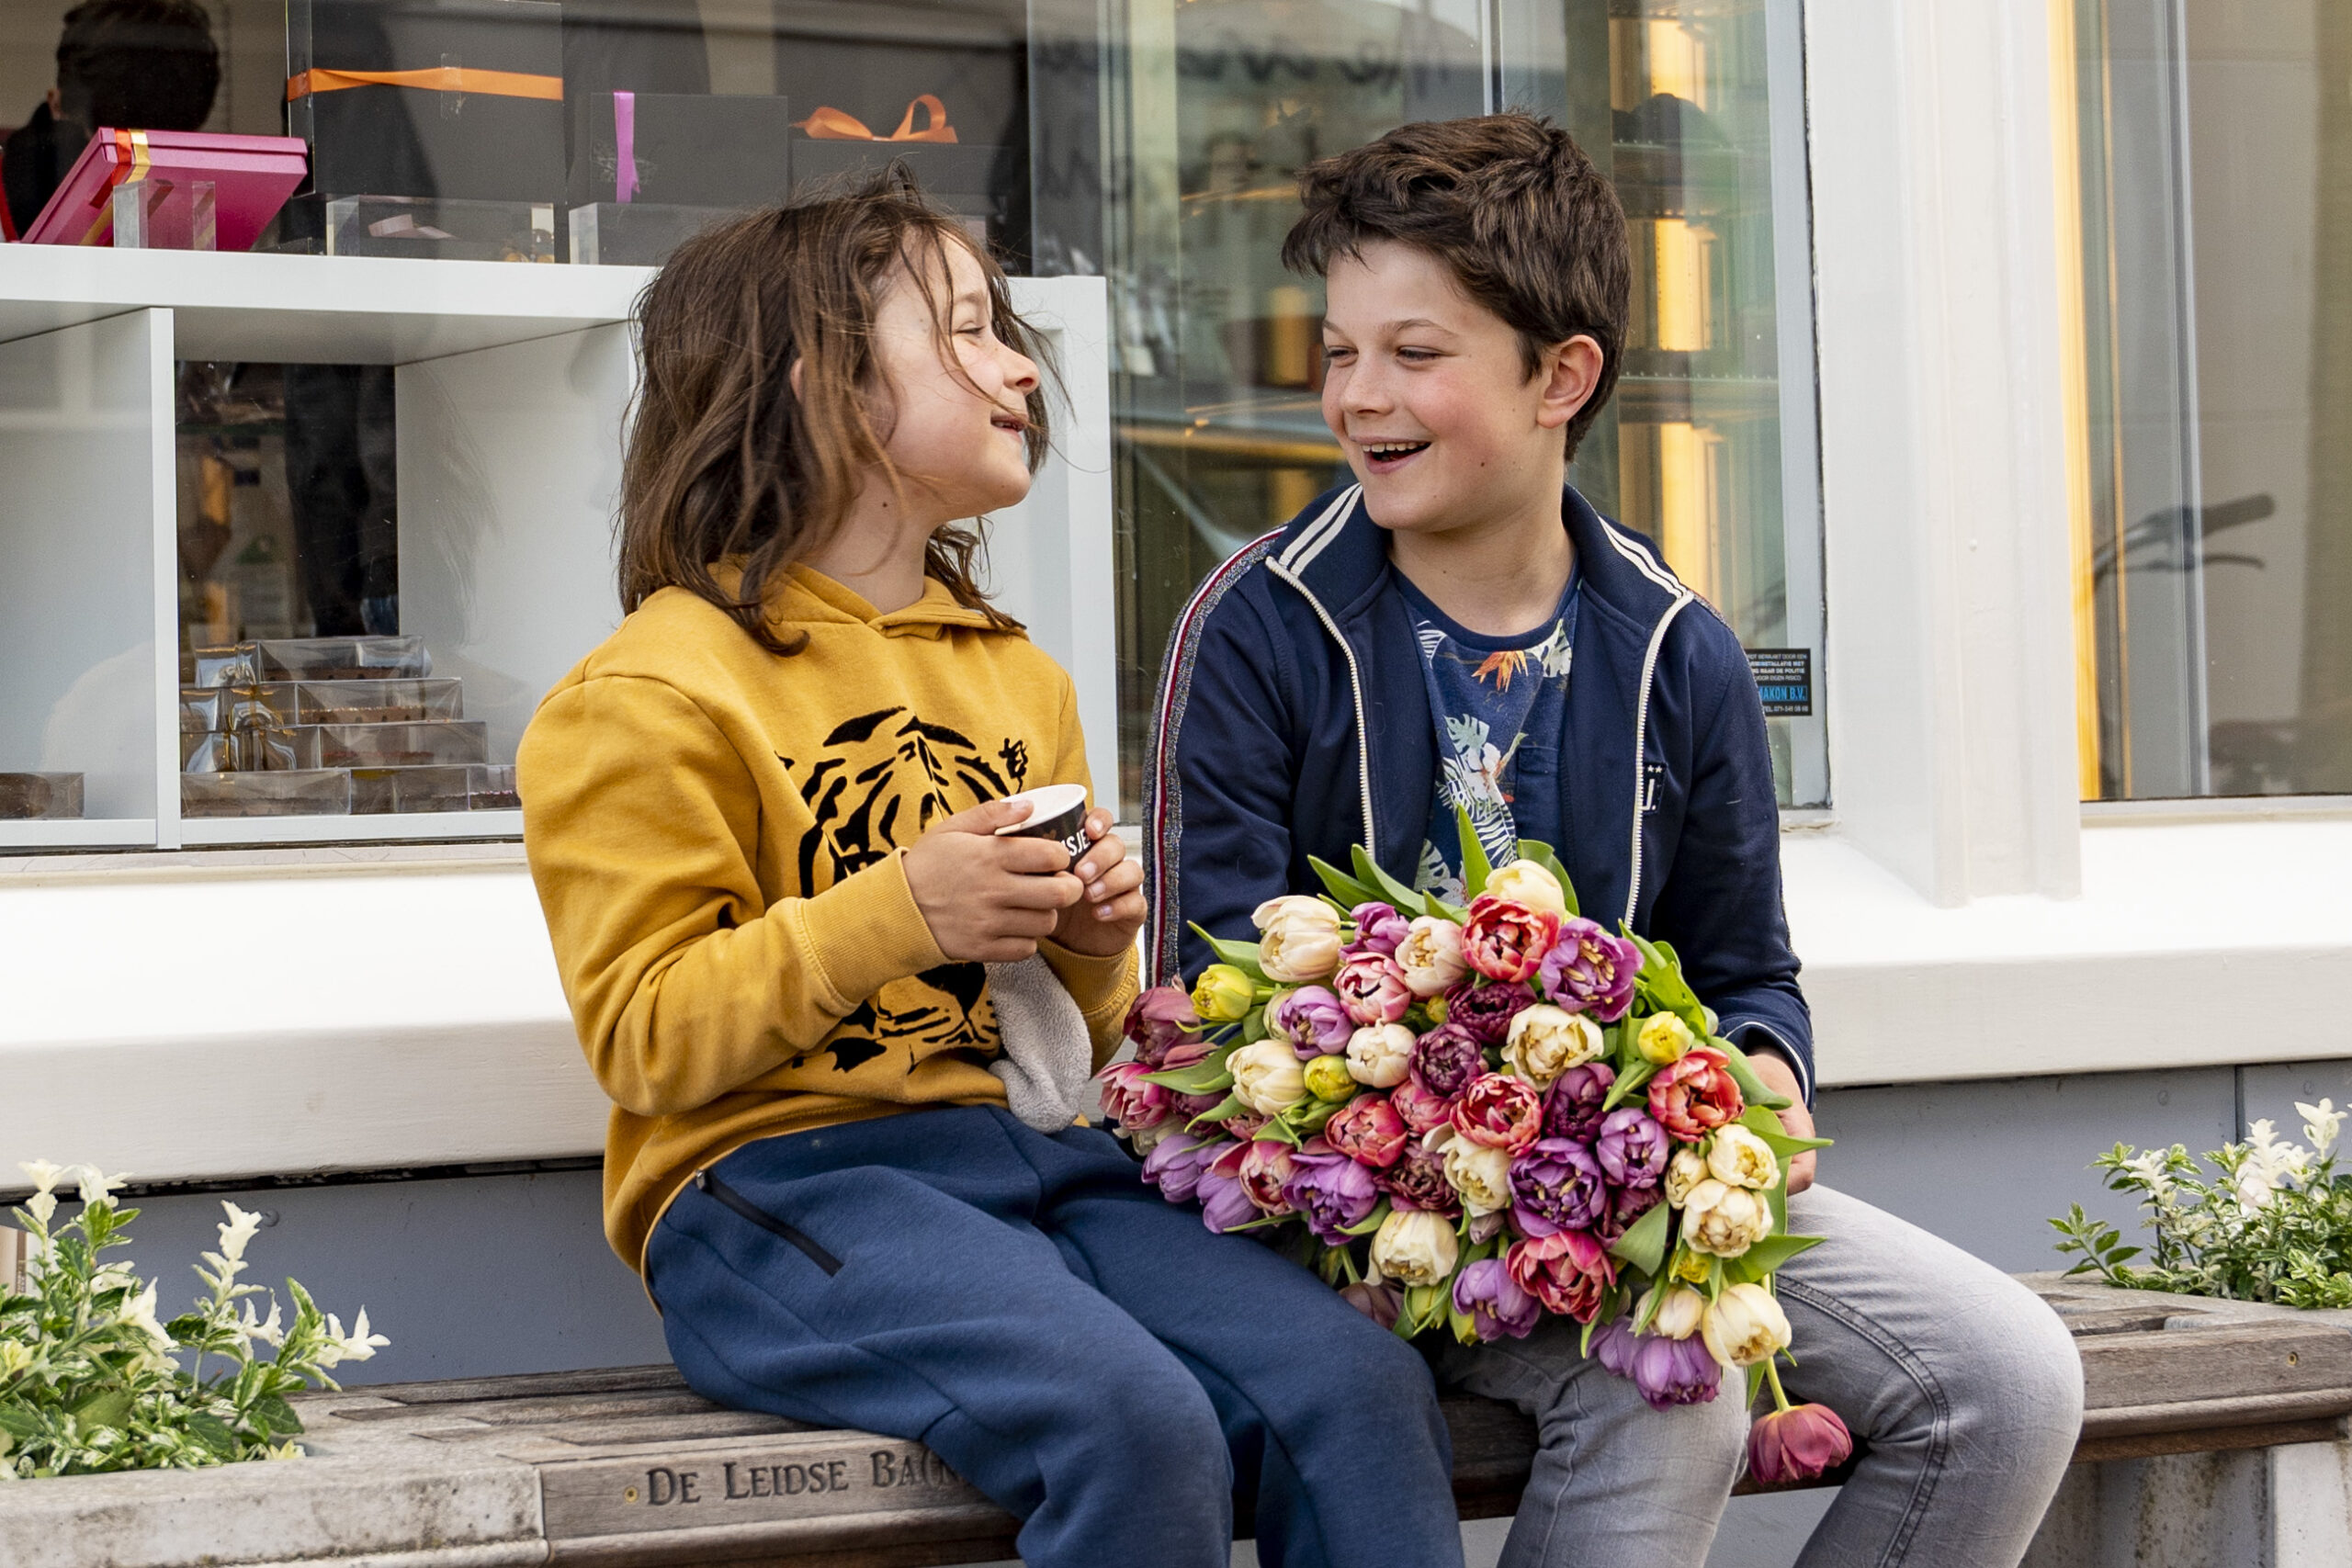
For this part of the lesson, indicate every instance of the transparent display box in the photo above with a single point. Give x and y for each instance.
(343, 659)
(46, 797)
(166, 215)
(312, 792)
(491, 788)
(204, 708)
(612, 234)
(440, 227)
(283, 704)
(375, 791)
(376, 745)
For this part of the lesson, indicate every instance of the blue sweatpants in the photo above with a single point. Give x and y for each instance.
(1087, 1355)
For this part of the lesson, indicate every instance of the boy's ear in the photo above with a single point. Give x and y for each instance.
(792, 378)
(1570, 371)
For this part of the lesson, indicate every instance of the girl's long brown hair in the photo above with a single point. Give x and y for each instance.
(725, 462)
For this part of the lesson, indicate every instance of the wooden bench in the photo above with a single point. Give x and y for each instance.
(630, 1468)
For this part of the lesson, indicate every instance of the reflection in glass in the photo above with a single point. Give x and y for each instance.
(1216, 105)
(2213, 536)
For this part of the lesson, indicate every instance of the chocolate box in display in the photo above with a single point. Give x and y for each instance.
(834, 147)
(39, 797)
(250, 178)
(329, 727)
(436, 127)
(649, 170)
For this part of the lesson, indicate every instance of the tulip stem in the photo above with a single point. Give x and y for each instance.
(1773, 1377)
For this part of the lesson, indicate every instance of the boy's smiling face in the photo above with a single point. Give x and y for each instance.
(1432, 401)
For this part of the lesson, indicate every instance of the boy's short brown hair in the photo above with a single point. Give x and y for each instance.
(1511, 205)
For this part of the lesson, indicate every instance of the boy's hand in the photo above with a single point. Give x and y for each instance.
(1104, 925)
(989, 900)
(1781, 1078)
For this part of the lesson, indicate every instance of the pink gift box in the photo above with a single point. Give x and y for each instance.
(252, 177)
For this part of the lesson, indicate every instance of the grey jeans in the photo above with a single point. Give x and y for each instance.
(1965, 1387)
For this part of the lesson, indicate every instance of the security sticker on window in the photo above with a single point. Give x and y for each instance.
(1784, 679)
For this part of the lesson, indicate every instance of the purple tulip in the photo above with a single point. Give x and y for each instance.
(1496, 1304)
(1556, 1186)
(1223, 1204)
(1330, 1190)
(1485, 1010)
(1632, 1147)
(1418, 1181)
(1626, 1205)
(1382, 1303)
(1572, 1105)
(1673, 1371)
(1176, 1165)
(1448, 1060)
(1614, 1344)
(1589, 971)
(1159, 1018)
(1378, 929)
(1313, 1020)
(1187, 1106)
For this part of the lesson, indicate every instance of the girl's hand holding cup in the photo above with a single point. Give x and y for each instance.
(994, 881)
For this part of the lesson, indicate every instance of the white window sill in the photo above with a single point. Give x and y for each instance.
(2196, 941)
(233, 1013)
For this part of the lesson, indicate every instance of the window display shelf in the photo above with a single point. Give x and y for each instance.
(508, 405)
(79, 832)
(311, 310)
(200, 833)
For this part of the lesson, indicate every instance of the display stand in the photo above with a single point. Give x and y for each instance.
(512, 391)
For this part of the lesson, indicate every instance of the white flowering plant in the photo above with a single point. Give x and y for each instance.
(90, 1381)
(2272, 1223)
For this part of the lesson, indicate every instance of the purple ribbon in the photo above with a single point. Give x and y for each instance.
(625, 143)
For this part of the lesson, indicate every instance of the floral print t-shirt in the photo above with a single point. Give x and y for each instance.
(1501, 707)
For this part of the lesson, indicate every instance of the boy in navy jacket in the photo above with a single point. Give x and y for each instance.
(1460, 632)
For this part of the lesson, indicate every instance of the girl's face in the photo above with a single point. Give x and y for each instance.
(959, 443)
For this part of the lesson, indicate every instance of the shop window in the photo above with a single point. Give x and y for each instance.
(2209, 294)
(1153, 143)
(1693, 109)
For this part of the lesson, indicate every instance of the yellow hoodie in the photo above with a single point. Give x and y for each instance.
(715, 832)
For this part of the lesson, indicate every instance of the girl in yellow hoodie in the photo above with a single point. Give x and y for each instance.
(762, 820)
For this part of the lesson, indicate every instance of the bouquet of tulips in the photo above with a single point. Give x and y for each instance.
(1466, 1118)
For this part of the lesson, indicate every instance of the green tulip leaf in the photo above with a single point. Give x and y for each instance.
(1760, 1120)
(1207, 1076)
(1476, 867)
(1253, 1028)
(1229, 1106)
(1345, 889)
(1632, 1081)
(1309, 1115)
(1278, 1130)
(1386, 889)
(1764, 1260)
(1751, 1088)
(1370, 1222)
(1644, 1244)
(1242, 955)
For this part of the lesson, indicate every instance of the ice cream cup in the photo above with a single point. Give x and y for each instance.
(1057, 812)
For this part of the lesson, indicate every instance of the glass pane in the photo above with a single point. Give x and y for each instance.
(2214, 544)
(1693, 107)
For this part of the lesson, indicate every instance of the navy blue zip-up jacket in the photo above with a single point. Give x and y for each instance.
(1296, 660)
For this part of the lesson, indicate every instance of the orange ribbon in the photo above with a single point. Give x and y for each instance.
(829, 124)
(132, 165)
(437, 79)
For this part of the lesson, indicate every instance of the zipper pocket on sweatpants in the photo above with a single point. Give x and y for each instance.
(767, 1222)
